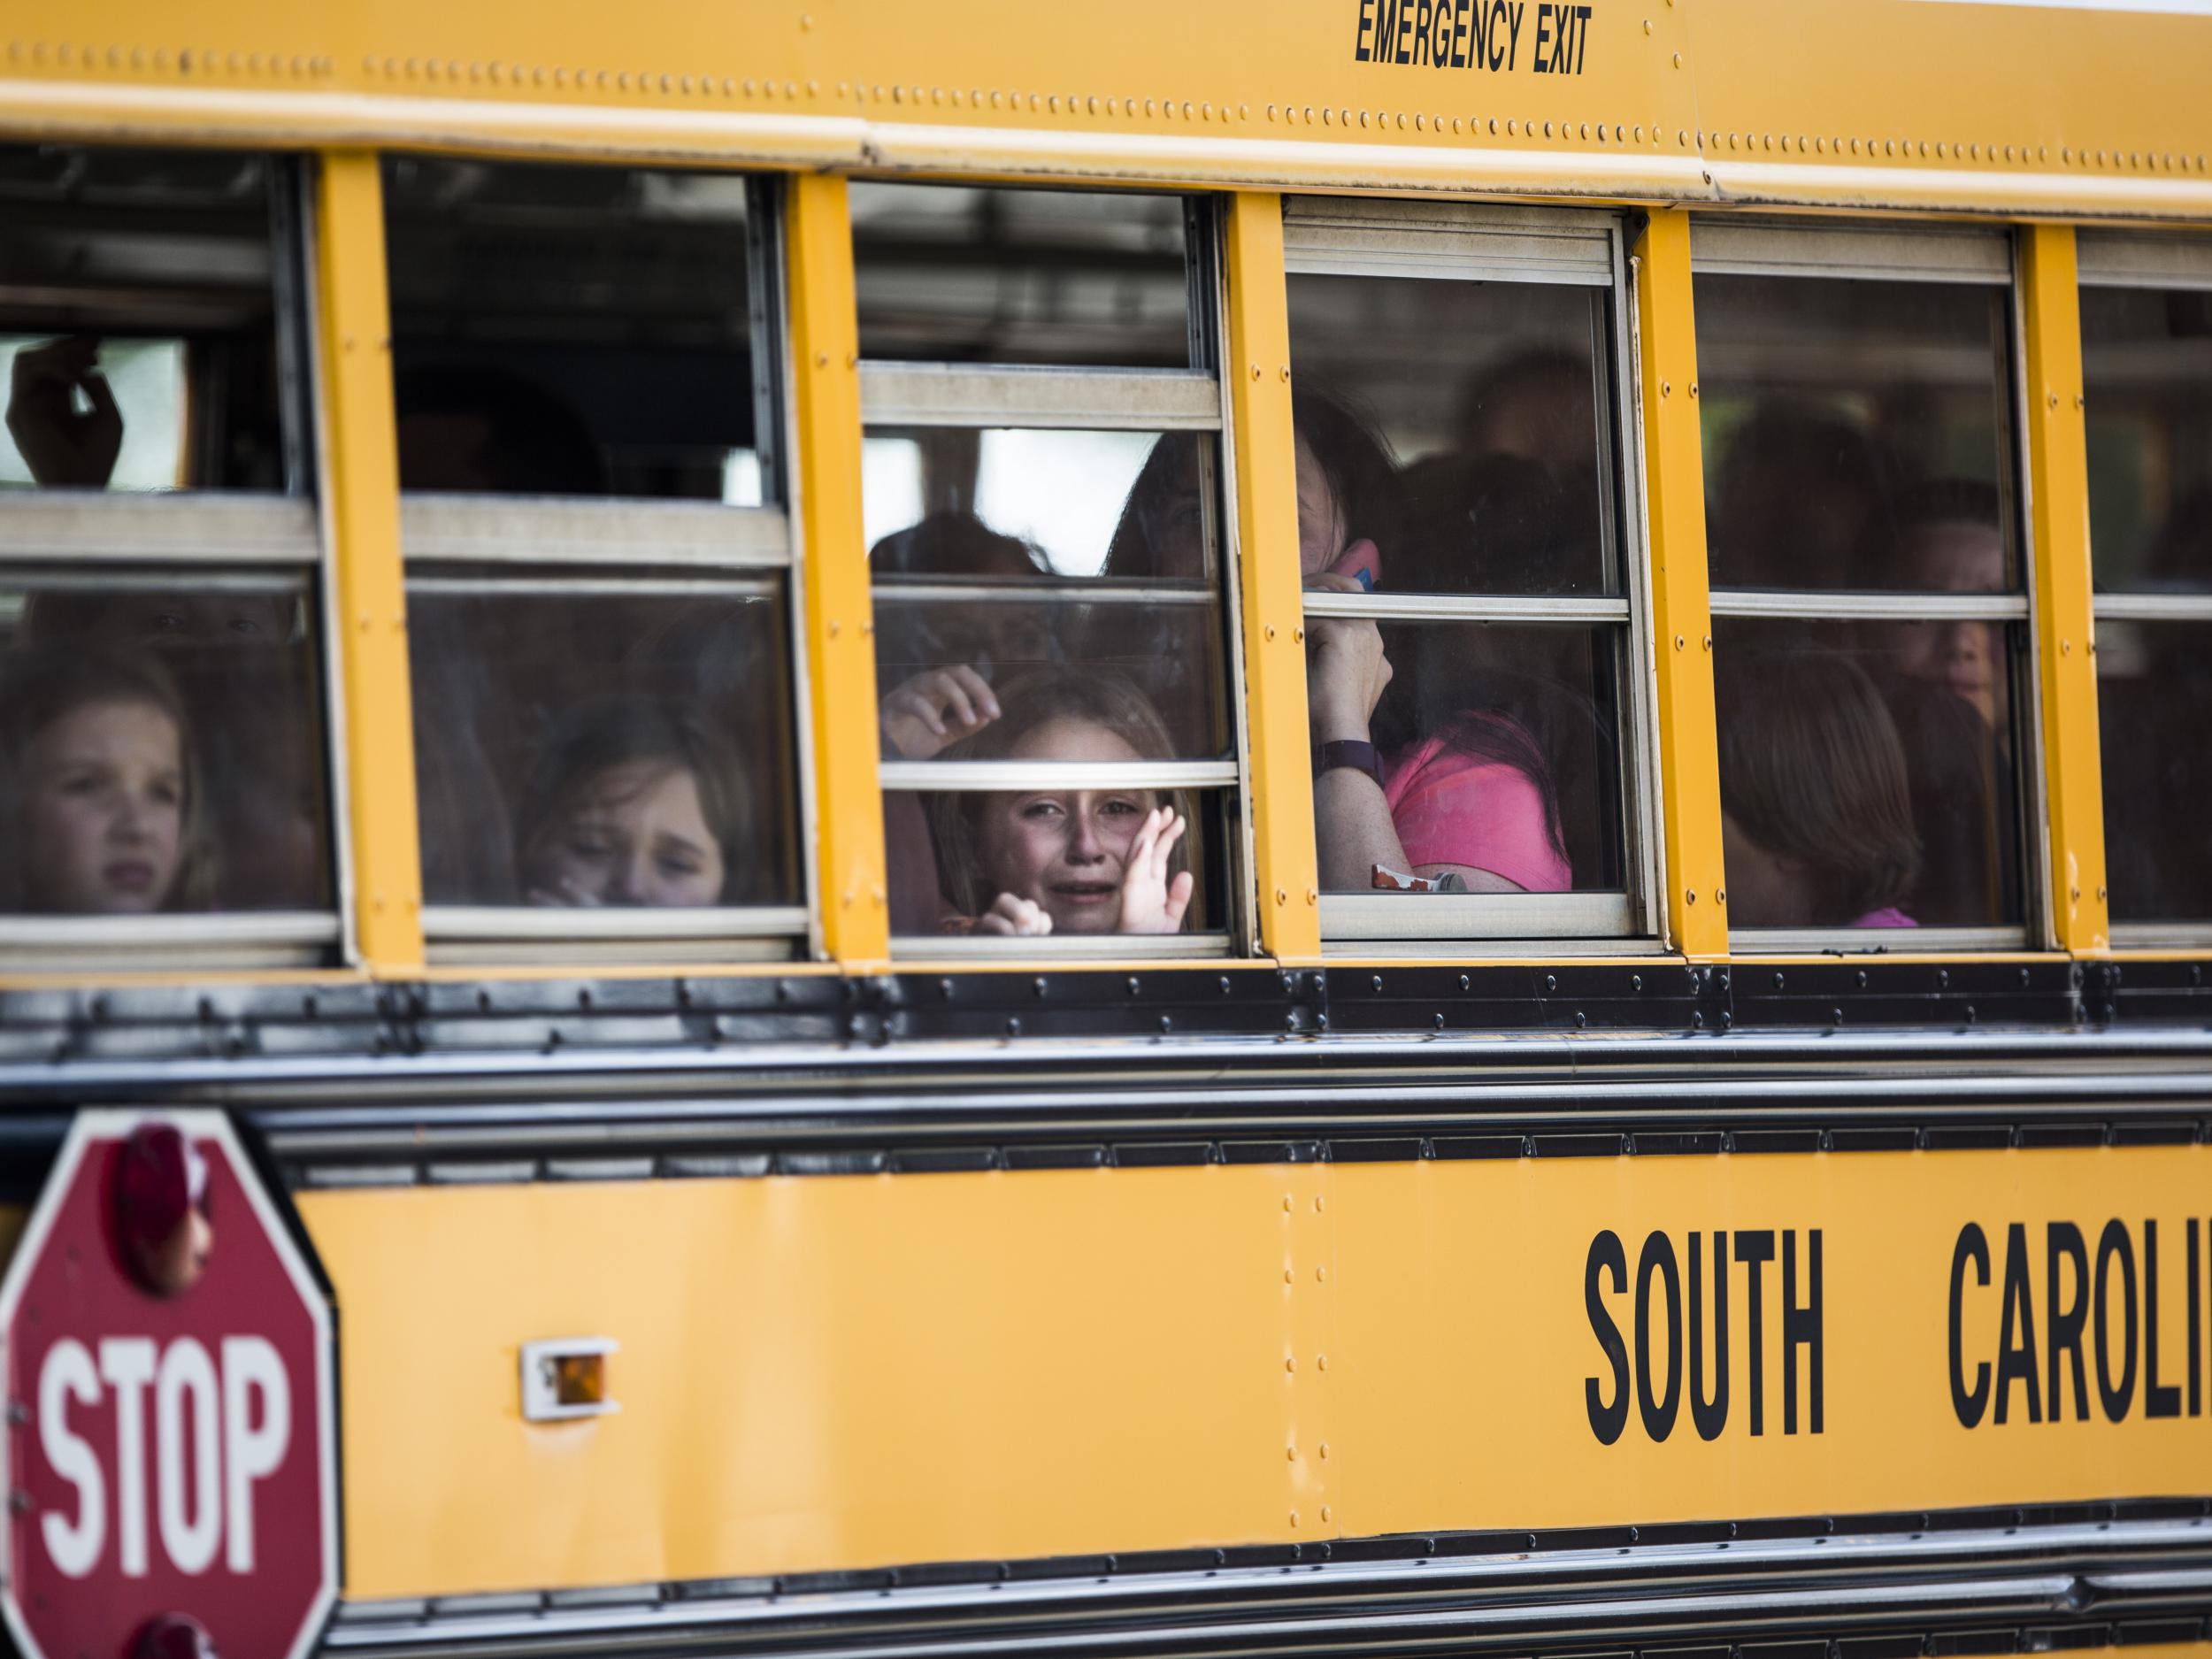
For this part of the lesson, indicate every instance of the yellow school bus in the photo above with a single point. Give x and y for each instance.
(1369, 826)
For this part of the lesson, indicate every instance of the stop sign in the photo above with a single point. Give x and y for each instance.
(171, 1439)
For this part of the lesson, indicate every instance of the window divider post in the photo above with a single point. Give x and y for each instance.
(1286, 865)
(851, 863)
(2058, 547)
(1681, 597)
(368, 607)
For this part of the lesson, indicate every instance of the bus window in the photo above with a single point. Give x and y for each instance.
(604, 727)
(1459, 444)
(162, 747)
(1045, 560)
(959, 274)
(609, 743)
(2147, 365)
(575, 330)
(1871, 612)
(138, 332)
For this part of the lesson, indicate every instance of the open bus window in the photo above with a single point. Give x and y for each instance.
(577, 331)
(160, 745)
(2147, 365)
(1871, 641)
(1045, 566)
(959, 274)
(1467, 627)
(584, 744)
(138, 321)
(999, 553)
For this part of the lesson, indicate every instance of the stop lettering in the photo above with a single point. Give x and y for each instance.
(169, 1453)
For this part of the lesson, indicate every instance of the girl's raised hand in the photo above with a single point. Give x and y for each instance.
(1014, 919)
(1151, 901)
(936, 708)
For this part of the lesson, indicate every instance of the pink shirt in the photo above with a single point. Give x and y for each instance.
(1888, 916)
(1453, 807)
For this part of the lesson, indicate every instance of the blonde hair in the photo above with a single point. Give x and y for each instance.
(1086, 697)
(41, 686)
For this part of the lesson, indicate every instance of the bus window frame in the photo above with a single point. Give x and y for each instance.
(223, 536)
(899, 393)
(1553, 247)
(2157, 261)
(554, 545)
(1892, 251)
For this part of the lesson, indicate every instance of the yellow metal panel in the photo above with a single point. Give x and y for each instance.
(2037, 110)
(360, 482)
(2058, 531)
(1494, 1321)
(838, 616)
(1681, 601)
(1258, 369)
(839, 1371)
(813, 1370)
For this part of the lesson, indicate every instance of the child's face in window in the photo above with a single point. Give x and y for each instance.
(1064, 850)
(1321, 529)
(1966, 657)
(638, 834)
(104, 798)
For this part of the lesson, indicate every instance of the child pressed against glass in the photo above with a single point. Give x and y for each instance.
(1066, 861)
(103, 803)
(637, 803)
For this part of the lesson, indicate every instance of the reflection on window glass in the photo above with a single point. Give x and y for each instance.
(137, 321)
(2154, 710)
(952, 273)
(2147, 362)
(160, 746)
(595, 744)
(1089, 550)
(1861, 786)
(1850, 427)
(1482, 400)
(575, 331)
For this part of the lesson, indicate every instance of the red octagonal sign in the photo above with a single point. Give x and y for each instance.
(169, 1456)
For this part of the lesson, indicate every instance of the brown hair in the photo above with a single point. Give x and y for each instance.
(40, 687)
(625, 731)
(1093, 696)
(1811, 767)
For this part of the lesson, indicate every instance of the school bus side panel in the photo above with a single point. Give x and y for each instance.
(813, 1371)
(1473, 1282)
(835, 1372)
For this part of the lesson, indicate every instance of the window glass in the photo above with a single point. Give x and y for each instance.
(2146, 360)
(1857, 793)
(576, 331)
(2153, 709)
(1858, 470)
(1455, 468)
(955, 273)
(584, 742)
(1484, 399)
(2147, 364)
(1841, 419)
(1001, 578)
(138, 333)
(160, 744)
